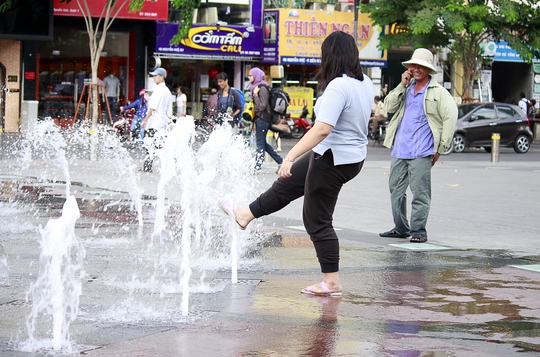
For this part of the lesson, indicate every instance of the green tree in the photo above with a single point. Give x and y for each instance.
(186, 11)
(461, 26)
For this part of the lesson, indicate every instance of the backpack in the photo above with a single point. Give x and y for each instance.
(278, 101)
(242, 103)
(527, 105)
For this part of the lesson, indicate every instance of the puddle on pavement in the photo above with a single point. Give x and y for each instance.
(473, 299)
(408, 301)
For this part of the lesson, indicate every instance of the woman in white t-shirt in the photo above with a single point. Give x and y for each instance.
(329, 155)
(181, 102)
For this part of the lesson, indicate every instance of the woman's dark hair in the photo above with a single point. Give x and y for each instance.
(339, 56)
(181, 88)
(223, 76)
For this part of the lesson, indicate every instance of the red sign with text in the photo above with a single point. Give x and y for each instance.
(151, 10)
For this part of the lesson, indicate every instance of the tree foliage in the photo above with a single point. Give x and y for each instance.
(461, 26)
(186, 12)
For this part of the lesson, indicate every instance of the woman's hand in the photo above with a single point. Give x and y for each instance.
(256, 90)
(285, 169)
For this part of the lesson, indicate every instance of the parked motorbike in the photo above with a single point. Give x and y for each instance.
(299, 126)
(379, 136)
(122, 124)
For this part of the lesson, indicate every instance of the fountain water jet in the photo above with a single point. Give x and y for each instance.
(58, 286)
(196, 241)
(219, 168)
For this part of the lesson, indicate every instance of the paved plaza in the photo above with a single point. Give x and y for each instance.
(471, 290)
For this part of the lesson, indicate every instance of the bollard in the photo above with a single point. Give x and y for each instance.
(495, 141)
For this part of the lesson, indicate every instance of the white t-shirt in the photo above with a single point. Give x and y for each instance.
(111, 86)
(180, 100)
(161, 101)
(346, 105)
(523, 105)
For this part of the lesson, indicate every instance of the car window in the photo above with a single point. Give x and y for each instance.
(485, 113)
(506, 112)
(465, 109)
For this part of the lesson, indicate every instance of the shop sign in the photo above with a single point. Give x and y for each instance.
(211, 41)
(151, 10)
(506, 53)
(294, 36)
(300, 97)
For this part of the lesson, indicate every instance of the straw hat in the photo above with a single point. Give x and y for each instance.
(422, 57)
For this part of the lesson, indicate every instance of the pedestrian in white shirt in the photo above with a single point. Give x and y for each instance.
(181, 102)
(158, 116)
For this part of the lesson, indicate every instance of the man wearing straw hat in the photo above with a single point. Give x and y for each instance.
(421, 129)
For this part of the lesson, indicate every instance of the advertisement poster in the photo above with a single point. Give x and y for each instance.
(300, 97)
(299, 35)
(151, 10)
(270, 36)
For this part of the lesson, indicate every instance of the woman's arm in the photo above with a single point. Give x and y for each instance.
(312, 138)
(261, 99)
(135, 103)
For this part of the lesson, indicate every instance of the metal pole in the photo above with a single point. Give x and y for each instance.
(495, 141)
(355, 22)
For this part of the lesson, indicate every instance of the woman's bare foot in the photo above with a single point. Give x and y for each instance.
(244, 216)
(330, 286)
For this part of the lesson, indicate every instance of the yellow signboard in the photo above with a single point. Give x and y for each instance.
(300, 97)
(301, 33)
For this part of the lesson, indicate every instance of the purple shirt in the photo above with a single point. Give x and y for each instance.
(414, 138)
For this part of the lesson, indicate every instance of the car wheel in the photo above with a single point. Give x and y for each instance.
(522, 144)
(487, 148)
(459, 143)
(297, 132)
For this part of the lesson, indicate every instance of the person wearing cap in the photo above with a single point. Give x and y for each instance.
(158, 115)
(421, 129)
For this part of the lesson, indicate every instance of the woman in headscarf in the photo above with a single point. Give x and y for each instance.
(260, 92)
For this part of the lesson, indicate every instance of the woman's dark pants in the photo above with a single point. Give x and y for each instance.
(317, 179)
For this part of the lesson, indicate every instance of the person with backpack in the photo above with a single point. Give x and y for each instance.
(228, 99)
(263, 118)
(326, 158)
(524, 103)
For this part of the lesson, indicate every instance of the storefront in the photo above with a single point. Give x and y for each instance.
(293, 38)
(226, 37)
(511, 75)
(62, 67)
(23, 21)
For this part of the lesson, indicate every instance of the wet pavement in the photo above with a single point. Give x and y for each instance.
(472, 290)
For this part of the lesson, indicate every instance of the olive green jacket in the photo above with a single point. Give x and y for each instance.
(439, 106)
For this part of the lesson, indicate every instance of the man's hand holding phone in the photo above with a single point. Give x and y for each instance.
(406, 78)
